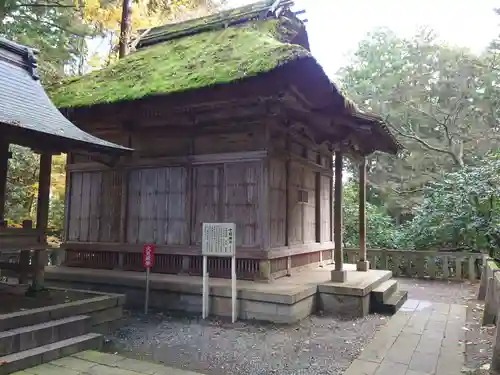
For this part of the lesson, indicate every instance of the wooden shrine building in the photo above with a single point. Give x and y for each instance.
(28, 118)
(232, 120)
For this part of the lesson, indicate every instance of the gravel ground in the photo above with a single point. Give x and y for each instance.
(317, 345)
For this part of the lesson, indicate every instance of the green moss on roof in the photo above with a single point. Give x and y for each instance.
(183, 64)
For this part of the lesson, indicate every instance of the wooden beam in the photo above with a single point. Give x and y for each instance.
(4, 166)
(288, 215)
(318, 207)
(42, 218)
(338, 275)
(42, 211)
(363, 263)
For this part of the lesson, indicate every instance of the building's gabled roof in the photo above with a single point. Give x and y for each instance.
(26, 108)
(202, 59)
(260, 39)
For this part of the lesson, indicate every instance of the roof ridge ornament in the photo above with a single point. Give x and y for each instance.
(32, 63)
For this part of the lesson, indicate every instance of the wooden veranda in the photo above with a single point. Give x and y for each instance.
(28, 118)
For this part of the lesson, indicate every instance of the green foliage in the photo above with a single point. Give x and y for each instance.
(440, 101)
(22, 189)
(22, 185)
(380, 227)
(54, 27)
(461, 210)
(197, 61)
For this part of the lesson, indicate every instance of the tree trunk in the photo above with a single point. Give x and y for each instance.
(125, 28)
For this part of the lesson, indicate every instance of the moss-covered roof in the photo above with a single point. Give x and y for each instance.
(197, 61)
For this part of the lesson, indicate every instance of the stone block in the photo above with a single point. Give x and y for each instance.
(378, 348)
(73, 363)
(403, 348)
(338, 276)
(98, 357)
(82, 307)
(363, 266)
(391, 368)
(424, 362)
(360, 367)
(345, 306)
(104, 316)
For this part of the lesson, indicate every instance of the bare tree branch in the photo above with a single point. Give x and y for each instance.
(427, 145)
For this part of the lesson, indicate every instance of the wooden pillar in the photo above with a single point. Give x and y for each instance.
(4, 166)
(42, 218)
(338, 274)
(362, 264)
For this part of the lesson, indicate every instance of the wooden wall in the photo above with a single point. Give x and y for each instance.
(278, 192)
(94, 212)
(167, 205)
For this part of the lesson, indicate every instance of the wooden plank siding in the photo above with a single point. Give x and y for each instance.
(277, 190)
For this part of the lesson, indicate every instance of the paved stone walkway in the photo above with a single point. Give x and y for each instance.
(97, 363)
(422, 338)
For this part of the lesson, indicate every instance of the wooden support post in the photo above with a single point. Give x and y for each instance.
(338, 274)
(318, 207)
(362, 264)
(4, 166)
(24, 257)
(42, 218)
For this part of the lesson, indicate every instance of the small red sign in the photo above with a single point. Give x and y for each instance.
(148, 256)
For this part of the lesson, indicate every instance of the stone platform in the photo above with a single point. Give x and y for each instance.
(285, 300)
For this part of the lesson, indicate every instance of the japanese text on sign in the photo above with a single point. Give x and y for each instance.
(148, 256)
(218, 239)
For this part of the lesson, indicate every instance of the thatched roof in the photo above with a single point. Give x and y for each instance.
(27, 112)
(261, 39)
(201, 60)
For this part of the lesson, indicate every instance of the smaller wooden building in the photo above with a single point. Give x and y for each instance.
(28, 118)
(232, 120)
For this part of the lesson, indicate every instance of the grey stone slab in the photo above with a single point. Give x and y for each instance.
(403, 348)
(378, 348)
(429, 334)
(425, 306)
(74, 363)
(396, 324)
(98, 357)
(410, 305)
(424, 362)
(412, 372)
(458, 311)
(50, 369)
(443, 308)
(438, 316)
(416, 324)
(360, 367)
(142, 367)
(429, 344)
(449, 364)
(436, 326)
(391, 368)
(108, 370)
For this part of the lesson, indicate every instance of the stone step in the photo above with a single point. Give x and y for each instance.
(392, 305)
(46, 353)
(385, 290)
(24, 338)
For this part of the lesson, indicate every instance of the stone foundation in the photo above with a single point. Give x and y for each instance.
(286, 300)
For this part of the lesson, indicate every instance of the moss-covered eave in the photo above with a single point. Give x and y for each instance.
(200, 61)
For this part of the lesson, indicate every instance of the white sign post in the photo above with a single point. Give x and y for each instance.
(219, 241)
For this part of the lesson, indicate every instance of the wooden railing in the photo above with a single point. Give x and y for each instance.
(444, 265)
